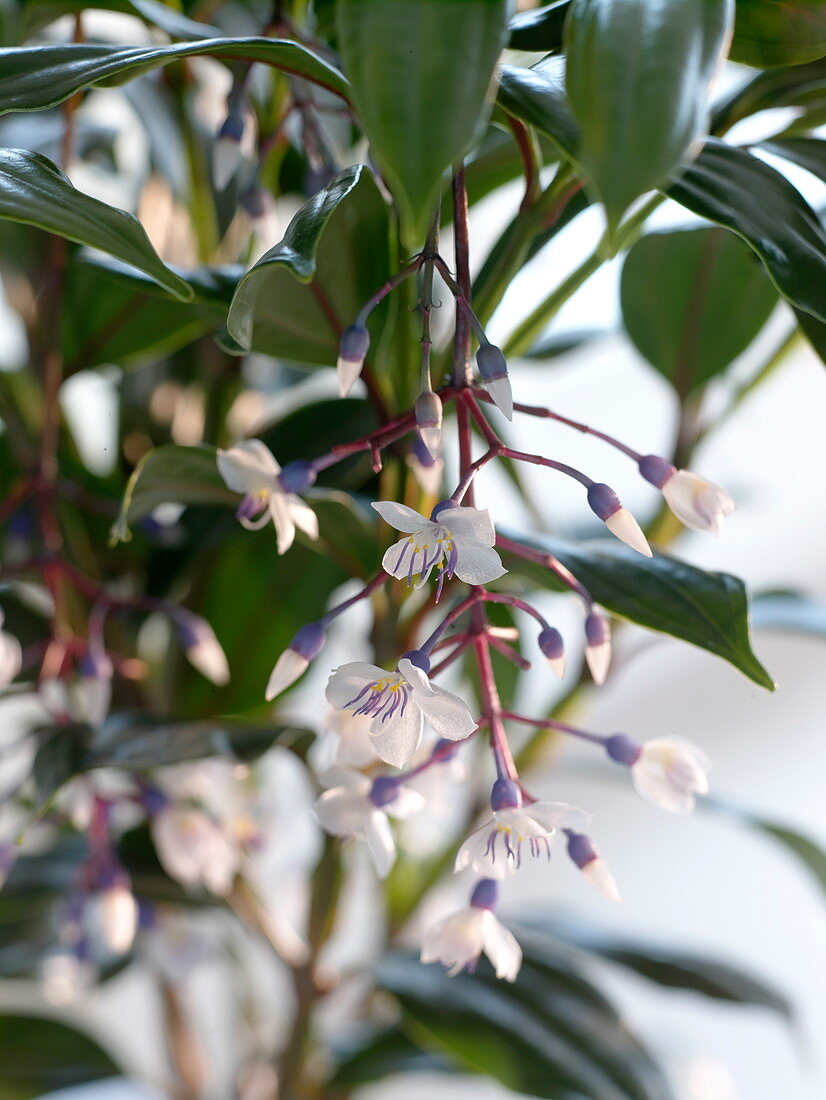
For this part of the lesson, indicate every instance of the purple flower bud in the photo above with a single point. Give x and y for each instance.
(485, 894)
(444, 750)
(551, 644)
(580, 849)
(384, 790)
(603, 501)
(623, 749)
(429, 420)
(492, 363)
(355, 342)
(419, 658)
(442, 506)
(656, 470)
(505, 795)
(597, 629)
(232, 127)
(297, 476)
(308, 641)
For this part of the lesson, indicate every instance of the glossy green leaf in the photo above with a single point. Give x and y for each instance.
(40, 1055)
(672, 967)
(810, 854)
(814, 331)
(809, 153)
(544, 1036)
(637, 78)
(796, 86)
(183, 475)
(539, 28)
(729, 186)
(407, 62)
(382, 1055)
(139, 741)
(34, 191)
(35, 77)
(537, 96)
(692, 301)
(778, 32)
(39, 13)
(709, 610)
(133, 317)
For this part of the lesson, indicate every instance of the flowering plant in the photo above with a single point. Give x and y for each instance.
(280, 618)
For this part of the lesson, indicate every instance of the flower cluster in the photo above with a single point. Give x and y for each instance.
(383, 714)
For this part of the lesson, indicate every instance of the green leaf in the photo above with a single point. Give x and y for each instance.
(539, 29)
(34, 191)
(797, 86)
(672, 968)
(537, 96)
(41, 76)
(40, 1055)
(550, 1034)
(809, 153)
(420, 72)
(294, 302)
(814, 331)
(183, 475)
(39, 13)
(778, 32)
(133, 318)
(709, 610)
(692, 301)
(741, 193)
(810, 854)
(137, 741)
(382, 1055)
(637, 78)
(790, 612)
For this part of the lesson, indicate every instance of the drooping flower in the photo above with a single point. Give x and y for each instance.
(251, 468)
(553, 649)
(696, 502)
(493, 368)
(293, 662)
(458, 940)
(195, 849)
(429, 421)
(202, 648)
(605, 503)
(11, 655)
(597, 645)
(454, 540)
(344, 739)
(352, 350)
(398, 703)
(356, 806)
(669, 772)
(583, 853)
(495, 848)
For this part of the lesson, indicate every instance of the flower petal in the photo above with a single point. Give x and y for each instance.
(456, 940)
(400, 516)
(558, 815)
(282, 520)
(346, 682)
(477, 564)
(474, 853)
(248, 467)
(469, 523)
(445, 712)
(342, 812)
(302, 516)
(396, 739)
(379, 837)
(501, 947)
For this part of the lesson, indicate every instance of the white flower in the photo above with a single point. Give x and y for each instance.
(670, 772)
(118, 917)
(250, 468)
(458, 541)
(696, 502)
(11, 656)
(356, 806)
(583, 853)
(398, 703)
(458, 940)
(195, 849)
(345, 739)
(598, 646)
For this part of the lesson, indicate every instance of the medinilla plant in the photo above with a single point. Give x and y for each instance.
(287, 475)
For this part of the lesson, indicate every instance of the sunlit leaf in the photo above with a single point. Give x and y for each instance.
(778, 32)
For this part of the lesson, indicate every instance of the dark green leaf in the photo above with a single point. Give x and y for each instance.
(41, 76)
(539, 1036)
(294, 302)
(551, 347)
(184, 475)
(39, 13)
(692, 301)
(674, 968)
(381, 1055)
(799, 85)
(789, 612)
(741, 193)
(810, 854)
(34, 191)
(537, 96)
(778, 32)
(637, 77)
(809, 153)
(39, 1055)
(133, 318)
(709, 610)
(539, 29)
(814, 331)
(406, 61)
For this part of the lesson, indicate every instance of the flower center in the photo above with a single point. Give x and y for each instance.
(381, 698)
(432, 547)
(512, 841)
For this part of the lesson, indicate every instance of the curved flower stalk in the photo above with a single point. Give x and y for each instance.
(398, 704)
(457, 941)
(455, 541)
(250, 468)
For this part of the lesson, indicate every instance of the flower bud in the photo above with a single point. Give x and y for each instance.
(493, 368)
(304, 647)
(298, 476)
(583, 853)
(355, 342)
(505, 795)
(485, 894)
(118, 915)
(598, 645)
(553, 649)
(656, 470)
(226, 151)
(419, 658)
(429, 421)
(605, 503)
(623, 750)
(385, 789)
(202, 648)
(444, 751)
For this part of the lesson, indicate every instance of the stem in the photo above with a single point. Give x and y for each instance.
(368, 589)
(461, 342)
(515, 601)
(547, 561)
